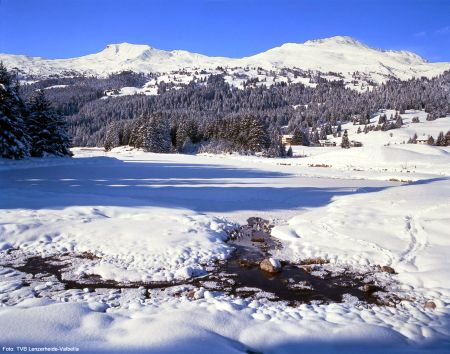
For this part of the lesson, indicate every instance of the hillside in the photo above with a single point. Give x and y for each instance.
(340, 57)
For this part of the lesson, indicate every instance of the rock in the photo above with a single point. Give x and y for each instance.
(306, 268)
(245, 263)
(191, 294)
(388, 269)
(317, 260)
(369, 288)
(430, 305)
(270, 265)
(257, 238)
(258, 223)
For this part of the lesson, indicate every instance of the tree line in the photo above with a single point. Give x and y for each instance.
(309, 112)
(211, 115)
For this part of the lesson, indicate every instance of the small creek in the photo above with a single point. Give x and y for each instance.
(240, 275)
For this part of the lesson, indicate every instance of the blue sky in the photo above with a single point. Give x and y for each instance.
(67, 28)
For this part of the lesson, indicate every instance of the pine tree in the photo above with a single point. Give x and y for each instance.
(413, 140)
(13, 138)
(297, 137)
(430, 140)
(46, 129)
(289, 152)
(276, 148)
(345, 143)
(152, 134)
(315, 137)
(398, 122)
(112, 137)
(447, 139)
(253, 134)
(440, 141)
(186, 131)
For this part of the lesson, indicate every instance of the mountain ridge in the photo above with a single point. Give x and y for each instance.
(341, 54)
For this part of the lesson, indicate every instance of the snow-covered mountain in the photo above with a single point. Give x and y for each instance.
(346, 55)
(343, 55)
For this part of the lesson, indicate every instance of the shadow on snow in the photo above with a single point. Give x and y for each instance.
(199, 187)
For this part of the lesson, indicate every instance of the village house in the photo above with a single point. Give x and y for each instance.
(354, 143)
(423, 141)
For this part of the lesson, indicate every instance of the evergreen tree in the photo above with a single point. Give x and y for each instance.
(315, 137)
(289, 152)
(398, 122)
(252, 133)
(186, 134)
(447, 139)
(152, 134)
(430, 140)
(345, 143)
(46, 129)
(276, 148)
(297, 137)
(440, 141)
(366, 129)
(13, 139)
(413, 140)
(113, 136)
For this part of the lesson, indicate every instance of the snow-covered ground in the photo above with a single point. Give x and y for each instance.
(337, 58)
(163, 217)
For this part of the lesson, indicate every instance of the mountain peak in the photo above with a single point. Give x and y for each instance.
(125, 50)
(346, 40)
(340, 54)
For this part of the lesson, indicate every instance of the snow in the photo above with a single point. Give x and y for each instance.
(338, 54)
(162, 217)
(55, 86)
(401, 227)
(275, 263)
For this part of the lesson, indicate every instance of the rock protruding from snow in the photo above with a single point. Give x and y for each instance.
(270, 265)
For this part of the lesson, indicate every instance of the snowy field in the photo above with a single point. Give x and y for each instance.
(146, 217)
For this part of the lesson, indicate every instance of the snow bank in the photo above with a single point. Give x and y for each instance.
(133, 244)
(405, 227)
